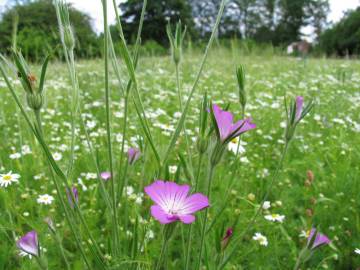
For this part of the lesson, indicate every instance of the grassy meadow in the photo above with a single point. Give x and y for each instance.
(325, 148)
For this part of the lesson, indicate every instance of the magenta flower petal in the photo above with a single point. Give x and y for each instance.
(160, 215)
(172, 202)
(245, 125)
(320, 239)
(195, 203)
(187, 219)
(133, 155)
(105, 176)
(29, 243)
(299, 107)
(224, 121)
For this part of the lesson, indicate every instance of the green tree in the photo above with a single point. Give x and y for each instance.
(38, 30)
(344, 37)
(158, 15)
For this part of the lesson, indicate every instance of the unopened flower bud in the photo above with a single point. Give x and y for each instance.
(307, 183)
(313, 200)
(225, 241)
(309, 212)
(310, 175)
(34, 101)
(68, 37)
(202, 145)
(251, 197)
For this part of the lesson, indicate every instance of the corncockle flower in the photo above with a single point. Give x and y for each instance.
(74, 194)
(8, 178)
(105, 176)
(226, 129)
(29, 243)
(45, 199)
(297, 112)
(299, 107)
(225, 241)
(320, 239)
(133, 155)
(261, 239)
(172, 202)
(275, 217)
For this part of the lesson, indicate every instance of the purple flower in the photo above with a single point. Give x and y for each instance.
(228, 130)
(29, 243)
(320, 239)
(105, 176)
(299, 107)
(172, 202)
(133, 155)
(70, 196)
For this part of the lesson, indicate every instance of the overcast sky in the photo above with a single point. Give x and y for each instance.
(94, 9)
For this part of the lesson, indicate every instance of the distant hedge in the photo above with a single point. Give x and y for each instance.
(38, 30)
(344, 37)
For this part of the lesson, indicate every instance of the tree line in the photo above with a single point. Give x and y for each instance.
(277, 22)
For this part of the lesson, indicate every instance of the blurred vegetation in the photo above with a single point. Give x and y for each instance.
(344, 38)
(38, 34)
(262, 24)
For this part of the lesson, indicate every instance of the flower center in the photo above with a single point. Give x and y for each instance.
(7, 177)
(274, 215)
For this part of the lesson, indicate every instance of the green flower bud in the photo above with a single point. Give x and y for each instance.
(35, 101)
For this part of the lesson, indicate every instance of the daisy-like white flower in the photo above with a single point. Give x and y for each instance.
(275, 218)
(357, 251)
(172, 202)
(57, 156)
(8, 178)
(45, 199)
(261, 239)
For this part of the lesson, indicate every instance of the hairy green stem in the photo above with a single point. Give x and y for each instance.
(203, 229)
(108, 128)
(188, 248)
(252, 221)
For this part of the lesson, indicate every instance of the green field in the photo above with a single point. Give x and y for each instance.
(327, 142)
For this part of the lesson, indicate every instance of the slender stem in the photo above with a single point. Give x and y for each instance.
(191, 226)
(108, 127)
(298, 263)
(208, 192)
(178, 84)
(252, 221)
(62, 251)
(187, 104)
(188, 150)
(162, 252)
(39, 124)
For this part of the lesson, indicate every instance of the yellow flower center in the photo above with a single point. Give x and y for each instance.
(274, 215)
(235, 140)
(307, 233)
(7, 177)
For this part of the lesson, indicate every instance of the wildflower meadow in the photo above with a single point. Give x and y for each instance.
(208, 157)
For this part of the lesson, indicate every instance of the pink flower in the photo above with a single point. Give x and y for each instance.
(133, 155)
(320, 239)
(172, 202)
(226, 129)
(29, 243)
(105, 176)
(299, 107)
